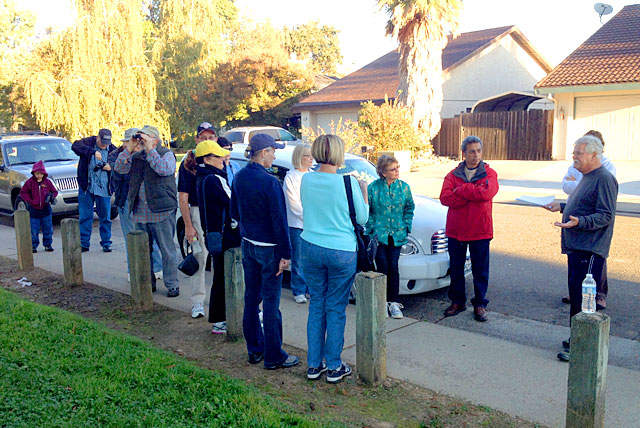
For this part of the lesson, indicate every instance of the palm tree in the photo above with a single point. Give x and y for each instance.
(421, 28)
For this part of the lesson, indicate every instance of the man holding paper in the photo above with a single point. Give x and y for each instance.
(587, 221)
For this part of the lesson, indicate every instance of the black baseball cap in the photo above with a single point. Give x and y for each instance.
(205, 126)
(105, 136)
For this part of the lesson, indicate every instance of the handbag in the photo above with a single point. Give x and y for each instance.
(189, 265)
(367, 246)
(212, 240)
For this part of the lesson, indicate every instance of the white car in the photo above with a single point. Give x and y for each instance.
(424, 260)
(243, 135)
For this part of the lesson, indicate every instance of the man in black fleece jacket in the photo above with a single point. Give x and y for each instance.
(587, 221)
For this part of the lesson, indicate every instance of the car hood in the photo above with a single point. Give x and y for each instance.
(428, 217)
(60, 169)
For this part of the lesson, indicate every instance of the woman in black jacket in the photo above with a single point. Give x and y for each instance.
(214, 194)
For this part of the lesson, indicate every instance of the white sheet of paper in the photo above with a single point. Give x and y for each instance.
(536, 200)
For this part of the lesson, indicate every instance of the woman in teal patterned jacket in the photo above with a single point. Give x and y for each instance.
(390, 217)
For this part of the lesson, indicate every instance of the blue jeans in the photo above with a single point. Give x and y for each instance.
(47, 231)
(126, 223)
(329, 274)
(163, 233)
(86, 201)
(298, 284)
(479, 251)
(260, 266)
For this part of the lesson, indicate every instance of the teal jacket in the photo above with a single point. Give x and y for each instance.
(390, 211)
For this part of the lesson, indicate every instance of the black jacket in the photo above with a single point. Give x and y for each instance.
(85, 148)
(213, 203)
(119, 185)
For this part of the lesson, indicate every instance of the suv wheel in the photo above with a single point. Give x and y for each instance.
(19, 204)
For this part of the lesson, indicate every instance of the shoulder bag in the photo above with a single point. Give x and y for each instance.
(367, 246)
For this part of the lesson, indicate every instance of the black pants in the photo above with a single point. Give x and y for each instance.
(578, 267)
(217, 306)
(479, 251)
(387, 263)
(603, 284)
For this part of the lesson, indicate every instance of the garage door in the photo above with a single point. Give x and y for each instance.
(323, 120)
(616, 117)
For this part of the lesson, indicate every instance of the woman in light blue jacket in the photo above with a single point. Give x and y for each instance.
(329, 255)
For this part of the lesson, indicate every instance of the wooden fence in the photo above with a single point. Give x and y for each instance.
(512, 135)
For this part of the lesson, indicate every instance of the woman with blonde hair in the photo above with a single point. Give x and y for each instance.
(329, 255)
(302, 162)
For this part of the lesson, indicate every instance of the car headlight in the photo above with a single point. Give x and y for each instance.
(409, 249)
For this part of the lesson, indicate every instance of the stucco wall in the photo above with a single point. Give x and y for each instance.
(503, 67)
(323, 118)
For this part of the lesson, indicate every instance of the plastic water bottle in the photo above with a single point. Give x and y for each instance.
(589, 295)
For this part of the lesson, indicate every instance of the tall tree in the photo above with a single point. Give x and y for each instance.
(317, 44)
(17, 38)
(421, 28)
(190, 39)
(95, 74)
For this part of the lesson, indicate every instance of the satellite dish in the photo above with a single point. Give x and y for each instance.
(603, 9)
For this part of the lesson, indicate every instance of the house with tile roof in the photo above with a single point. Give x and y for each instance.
(598, 87)
(476, 65)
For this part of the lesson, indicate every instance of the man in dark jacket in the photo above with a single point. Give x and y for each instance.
(257, 203)
(153, 198)
(94, 175)
(468, 191)
(587, 221)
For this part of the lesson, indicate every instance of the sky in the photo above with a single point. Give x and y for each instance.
(554, 27)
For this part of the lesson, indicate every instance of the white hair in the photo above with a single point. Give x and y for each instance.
(592, 145)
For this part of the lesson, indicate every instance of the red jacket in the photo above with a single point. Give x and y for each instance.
(469, 216)
(34, 193)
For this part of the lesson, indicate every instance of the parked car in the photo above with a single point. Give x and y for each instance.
(18, 153)
(243, 135)
(424, 260)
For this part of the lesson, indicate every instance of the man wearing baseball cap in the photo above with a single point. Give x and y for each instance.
(94, 175)
(188, 203)
(257, 203)
(153, 198)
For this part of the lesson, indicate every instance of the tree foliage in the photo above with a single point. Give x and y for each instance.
(17, 37)
(258, 79)
(95, 74)
(189, 41)
(317, 44)
(421, 27)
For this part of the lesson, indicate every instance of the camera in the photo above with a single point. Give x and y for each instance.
(99, 165)
(49, 199)
(137, 137)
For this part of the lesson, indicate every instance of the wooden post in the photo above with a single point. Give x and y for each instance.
(140, 269)
(22, 226)
(71, 251)
(234, 292)
(371, 343)
(588, 360)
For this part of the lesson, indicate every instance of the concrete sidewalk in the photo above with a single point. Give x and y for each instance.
(524, 381)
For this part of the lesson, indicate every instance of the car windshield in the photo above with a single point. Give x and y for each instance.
(25, 153)
(234, 136)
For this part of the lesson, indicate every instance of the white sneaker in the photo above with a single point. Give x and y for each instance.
(129, 277)
(219, 327)
(300, 298)
(261, 321)
(158, 275)
(197, 310)
(394, 310)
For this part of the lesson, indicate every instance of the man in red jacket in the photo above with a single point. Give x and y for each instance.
(468, 191)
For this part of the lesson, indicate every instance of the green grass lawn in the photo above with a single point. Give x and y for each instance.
(58, 369)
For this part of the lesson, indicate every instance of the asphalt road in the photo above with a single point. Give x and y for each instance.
(528, 275)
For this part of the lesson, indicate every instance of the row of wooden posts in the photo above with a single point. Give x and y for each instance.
(589, 332)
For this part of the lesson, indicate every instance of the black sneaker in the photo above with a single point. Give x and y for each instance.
(566, 344)
(314, 373)
(106, 249)
(290, 361)
(34, 250)
(255, 358)
(336, 376)
(173, 293)
(85, 249)
(563, 356)
(48, 249)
